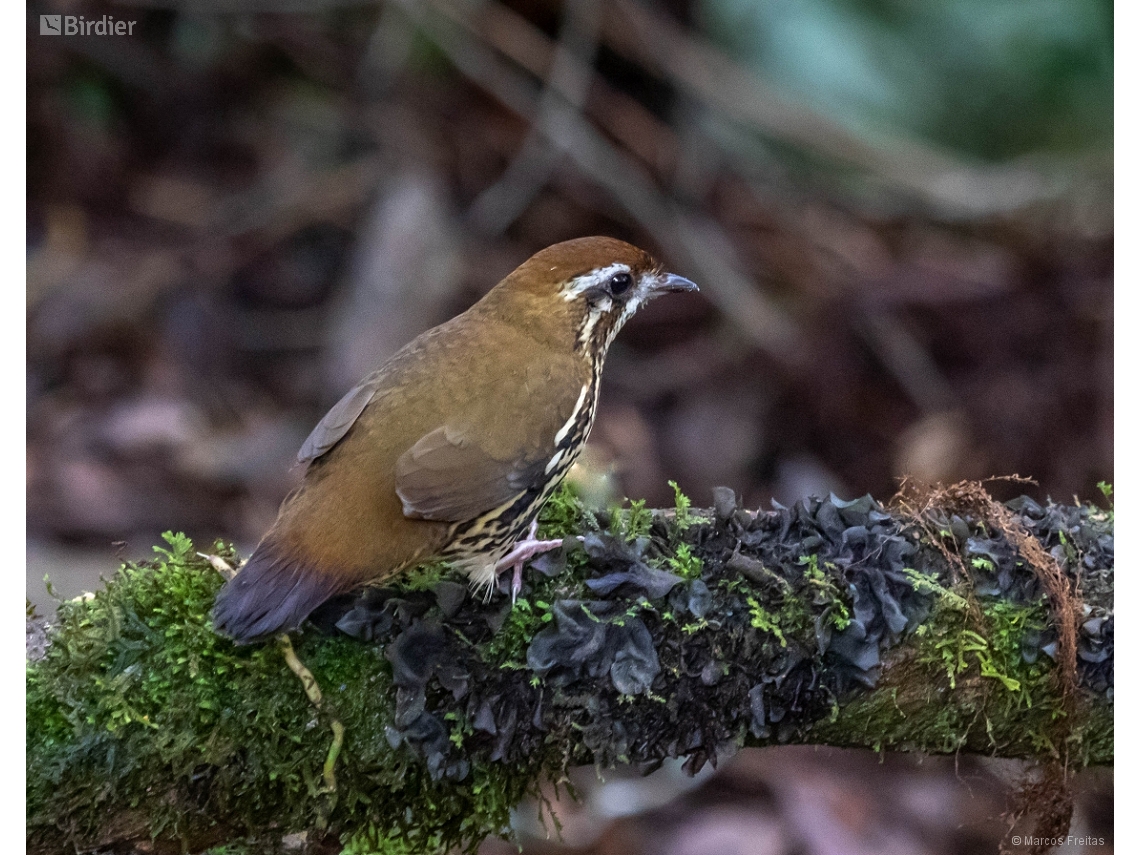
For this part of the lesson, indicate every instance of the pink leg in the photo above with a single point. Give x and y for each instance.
(522, 552)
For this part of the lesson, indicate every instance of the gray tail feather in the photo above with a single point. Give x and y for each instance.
(271, 593)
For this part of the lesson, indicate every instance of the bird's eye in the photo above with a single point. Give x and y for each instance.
(620, 283)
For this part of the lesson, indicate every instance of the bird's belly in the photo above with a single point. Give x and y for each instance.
(481, 542)
(488, 537)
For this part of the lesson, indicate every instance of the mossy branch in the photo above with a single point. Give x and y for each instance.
(657, 634)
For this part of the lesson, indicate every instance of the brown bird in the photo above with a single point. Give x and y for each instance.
(451, 447)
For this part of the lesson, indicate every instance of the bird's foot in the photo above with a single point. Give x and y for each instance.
(522, 552)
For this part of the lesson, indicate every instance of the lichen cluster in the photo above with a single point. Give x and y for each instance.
(654, 635)
(980, 674)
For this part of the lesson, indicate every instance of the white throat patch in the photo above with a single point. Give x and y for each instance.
(602, 304)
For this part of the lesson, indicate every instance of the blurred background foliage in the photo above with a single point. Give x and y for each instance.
(991, 80)
(899, 212)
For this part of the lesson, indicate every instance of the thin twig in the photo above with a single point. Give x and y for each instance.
(313, 693)
(910, 363)
(567, 85)
(766, 324)
(938, 178)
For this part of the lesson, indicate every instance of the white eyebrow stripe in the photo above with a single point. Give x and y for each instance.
(592, 279)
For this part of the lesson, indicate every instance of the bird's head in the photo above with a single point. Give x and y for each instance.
(585, 289)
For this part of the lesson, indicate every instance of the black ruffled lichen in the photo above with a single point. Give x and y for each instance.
(652, 635)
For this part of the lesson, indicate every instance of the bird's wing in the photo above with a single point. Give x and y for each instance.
(446, 476)
(337, 421)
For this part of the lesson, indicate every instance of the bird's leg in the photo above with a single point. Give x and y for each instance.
(522, 552)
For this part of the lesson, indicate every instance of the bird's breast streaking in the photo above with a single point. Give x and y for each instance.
(450, 448)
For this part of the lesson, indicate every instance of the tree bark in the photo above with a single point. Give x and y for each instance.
(936, 626)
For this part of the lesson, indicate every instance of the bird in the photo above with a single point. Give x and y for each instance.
(449, 449)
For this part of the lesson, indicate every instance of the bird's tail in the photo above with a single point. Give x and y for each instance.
(273, 592)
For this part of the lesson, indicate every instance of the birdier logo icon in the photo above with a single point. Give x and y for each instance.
(77, 25)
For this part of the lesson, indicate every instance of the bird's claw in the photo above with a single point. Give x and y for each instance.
(520, 553)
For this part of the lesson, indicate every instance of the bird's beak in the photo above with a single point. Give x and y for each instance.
(671, 282)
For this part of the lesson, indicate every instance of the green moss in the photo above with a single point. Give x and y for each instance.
(424, 576)
(1107, 491)
(1092, 738)
(138, 695)
(638, 520)
(562, 514)
(632, 522)
(994, 649)
(234, 848)
(392, 843)
(965, 688)
(682, 505)
(523, 621)
(684, 563)
(137, 689)
(825, 591)
(764, 622)
(1008, 625)
(892, 717)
